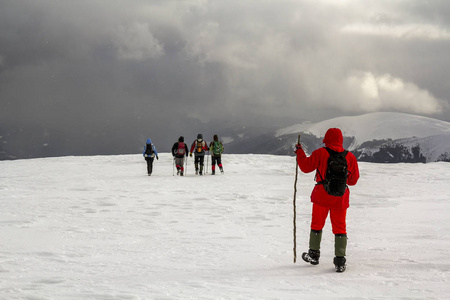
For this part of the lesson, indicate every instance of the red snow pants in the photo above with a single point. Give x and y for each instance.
(337, 217)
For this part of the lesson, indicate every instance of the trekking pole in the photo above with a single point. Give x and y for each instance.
(295, 209)
(207, 162)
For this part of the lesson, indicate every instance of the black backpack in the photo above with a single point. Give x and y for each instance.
(149, 150)
(335, 182)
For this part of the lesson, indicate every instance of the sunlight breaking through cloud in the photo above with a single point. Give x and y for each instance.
(386, 92)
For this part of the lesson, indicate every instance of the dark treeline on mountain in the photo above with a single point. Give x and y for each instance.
(392, 153)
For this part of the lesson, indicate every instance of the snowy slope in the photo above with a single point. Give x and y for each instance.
(435, 146)
(375, 126)
(100, 228)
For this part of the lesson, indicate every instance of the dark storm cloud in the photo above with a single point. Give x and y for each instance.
(150, 67)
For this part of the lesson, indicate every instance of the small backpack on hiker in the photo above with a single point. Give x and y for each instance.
(149, 151)
(335, 182)
(181, 150)
(217, 148)
(200, 146)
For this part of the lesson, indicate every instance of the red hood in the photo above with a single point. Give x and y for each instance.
(333, 139)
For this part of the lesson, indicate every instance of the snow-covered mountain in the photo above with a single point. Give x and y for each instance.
(374, 137)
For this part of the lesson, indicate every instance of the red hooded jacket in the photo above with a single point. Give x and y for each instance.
(318, 161)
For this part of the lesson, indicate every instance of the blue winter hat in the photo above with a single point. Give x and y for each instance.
(149, 141)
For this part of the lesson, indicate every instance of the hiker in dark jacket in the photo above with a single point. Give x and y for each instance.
(199, 147)
(179, 151)
(216, 149)
(323, 202)
(149, 154)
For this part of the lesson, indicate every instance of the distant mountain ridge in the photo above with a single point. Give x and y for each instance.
(384, 137)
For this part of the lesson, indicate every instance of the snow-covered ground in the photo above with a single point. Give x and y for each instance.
(99, 228)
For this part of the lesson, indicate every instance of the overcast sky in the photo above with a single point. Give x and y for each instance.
(110, 62)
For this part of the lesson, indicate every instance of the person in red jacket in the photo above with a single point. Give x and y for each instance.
(323, 203)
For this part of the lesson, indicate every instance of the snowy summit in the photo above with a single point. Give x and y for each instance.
(375, 126)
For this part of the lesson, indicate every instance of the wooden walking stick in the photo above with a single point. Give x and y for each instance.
(295, 209)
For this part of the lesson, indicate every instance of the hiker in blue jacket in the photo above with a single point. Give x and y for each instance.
(149, 154)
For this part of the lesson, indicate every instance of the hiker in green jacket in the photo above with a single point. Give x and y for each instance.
(216, 149)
